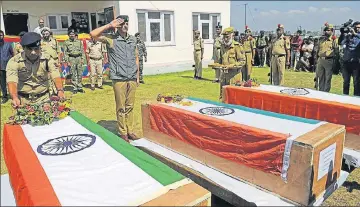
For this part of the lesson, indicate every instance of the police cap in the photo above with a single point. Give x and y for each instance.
(328, 26)
(137, 34)
(71, 31)
(124, 17)
(30, 39)
(218, 26)
(228, 31)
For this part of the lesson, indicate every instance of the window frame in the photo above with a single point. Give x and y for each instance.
(58, 21)
(162, 41)
(210, 21)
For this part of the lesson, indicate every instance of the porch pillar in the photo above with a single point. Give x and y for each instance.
(2, 25)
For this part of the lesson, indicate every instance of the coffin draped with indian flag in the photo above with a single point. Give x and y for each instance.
(302, 102)
(294, 157)
(74, 161)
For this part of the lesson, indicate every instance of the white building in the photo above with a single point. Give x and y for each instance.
(166, 26)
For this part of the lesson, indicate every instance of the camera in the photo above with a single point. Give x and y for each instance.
(345, 28)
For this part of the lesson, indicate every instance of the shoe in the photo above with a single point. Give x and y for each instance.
(100, 87)
(132, 136)
(75, 92)
(215, 81)
(92, 88)
(124, 137)
(4, 100)
(81, 91)
(142, 82)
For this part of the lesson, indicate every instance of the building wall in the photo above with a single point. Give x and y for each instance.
(37, 9)
(182, 52)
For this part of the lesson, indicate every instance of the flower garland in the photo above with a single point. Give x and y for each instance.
(249, 83)
(178, 99)
(41, 114)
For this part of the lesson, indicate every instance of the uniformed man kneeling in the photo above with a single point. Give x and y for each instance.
(232, 55)
(27, 73)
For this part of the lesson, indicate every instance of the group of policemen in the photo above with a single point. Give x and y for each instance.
(229, 52)
(239, 55)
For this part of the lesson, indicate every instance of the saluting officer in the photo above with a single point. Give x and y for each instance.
(28, 73)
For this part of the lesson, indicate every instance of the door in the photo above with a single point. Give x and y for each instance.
(15, 23)
(93, 21)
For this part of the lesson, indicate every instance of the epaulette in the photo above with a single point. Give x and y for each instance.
(45, 56)
(18, 58)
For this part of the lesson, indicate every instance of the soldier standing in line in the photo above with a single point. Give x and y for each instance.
(280, 56)
(328, 52)
(17, 47)
(95, 55)
(142, 55)
(231, 54)
(261, 48)
(50, 47)
(27, 73)
(249, 47)
(216, 51)
(198, 54)
(75, 58)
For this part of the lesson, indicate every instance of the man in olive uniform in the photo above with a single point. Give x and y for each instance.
(17, 47)
(124, 72)
(27, 73)
(75, 57)
(231, 54)
(261, 48)
(95, 54)
(249, 47)
(280, 56)
(142, 55)
(50, 47)
(198, 54)
(328, 52)
(216, 51)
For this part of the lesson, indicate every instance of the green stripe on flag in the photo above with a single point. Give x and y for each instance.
(258, 111)
(153, 167)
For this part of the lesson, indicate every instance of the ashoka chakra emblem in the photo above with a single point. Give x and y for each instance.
(217, 111)
(66, 144)
(295, 91)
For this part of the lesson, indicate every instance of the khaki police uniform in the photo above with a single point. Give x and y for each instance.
(216, 55)
(279, 47)
(17, 48)
(198, 48)
(32, 78)
(231, 55)
(328, 50)
(249, 46)
(74, 54)
(95, 51)
(51, 48)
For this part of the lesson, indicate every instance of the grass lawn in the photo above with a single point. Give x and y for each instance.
(99, 105)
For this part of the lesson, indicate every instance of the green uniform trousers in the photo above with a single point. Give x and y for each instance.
(248, 69)
(141, 67)
(278, 70)
(324, 74)
(76, 71)
(198, 63)
(125, 99)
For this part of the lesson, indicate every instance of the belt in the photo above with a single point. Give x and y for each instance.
(247, 51)
(282, 55)
(326, 58)
(31, 96)
(95, 58)
(75, 56)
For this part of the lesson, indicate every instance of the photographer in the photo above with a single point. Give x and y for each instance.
(351, 58)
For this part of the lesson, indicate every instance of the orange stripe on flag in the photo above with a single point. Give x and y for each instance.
(333, 112)
(30, 184)
(253, 147)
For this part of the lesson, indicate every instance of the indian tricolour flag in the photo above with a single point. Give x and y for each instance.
(74, 161)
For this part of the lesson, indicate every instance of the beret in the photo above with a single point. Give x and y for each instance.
(328, 26)
(30, 39)
(247, 28)
(124, 17)
(228, 30)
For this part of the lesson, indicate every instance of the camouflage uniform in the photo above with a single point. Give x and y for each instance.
(261, 48)
(74, 54)
(142, 54)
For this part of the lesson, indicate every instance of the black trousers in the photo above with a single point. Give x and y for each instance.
(351, 69)
(3, 83)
